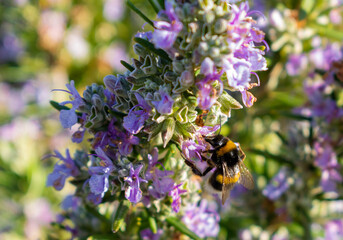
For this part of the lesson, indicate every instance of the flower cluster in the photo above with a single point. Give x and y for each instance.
(312, 159)
(199, 53)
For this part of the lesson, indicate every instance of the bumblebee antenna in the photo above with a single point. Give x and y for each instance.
(220, 122)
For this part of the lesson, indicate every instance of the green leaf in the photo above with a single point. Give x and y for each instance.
(152, 48)
(156, 6)
(268, 155)
(296, 116)
(120, 215)
(57, 106)
(142, 15)
(161, 2)
(168, 130)
(153, 225)
(175, 222)
(227, 103)
(308, 5)
(327, 32)
(127, 65)
(281, 137)
(105, 237)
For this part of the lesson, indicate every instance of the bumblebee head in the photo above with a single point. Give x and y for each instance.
(217, 140)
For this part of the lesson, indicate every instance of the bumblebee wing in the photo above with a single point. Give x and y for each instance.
(227, 187)
(245, 178)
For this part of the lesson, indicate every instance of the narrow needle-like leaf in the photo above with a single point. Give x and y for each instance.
(175, 222)
(142, 15)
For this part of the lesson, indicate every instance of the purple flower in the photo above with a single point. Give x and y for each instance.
(334, 230)
(330, 178)
(116, 138)
(247, 98)
(192, 151)
(206, 130)
(62, 171)
(135, 120)
(147, 234)
(113, 10)
(238, 73)
(69, 117)
(71, 202)
(165, 104)
(38, 214)
(126, 143)
(296, 63)
(322, 58)
(326, 157)
(278, 185)
(94, 199)
(98, 181)
(78, 135)
(133, 192)
(153, 161)
(322, 106)
(207, 67)
(165, 33)
(175, 194)
(252, 55)
(144, 35)
(10, 47)
(207, 96)
(161, 183)
(202, 220)
(335, 16)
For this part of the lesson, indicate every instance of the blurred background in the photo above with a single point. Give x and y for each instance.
(46, 43)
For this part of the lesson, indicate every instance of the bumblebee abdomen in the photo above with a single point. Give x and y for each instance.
(216, 180)
(228, 180)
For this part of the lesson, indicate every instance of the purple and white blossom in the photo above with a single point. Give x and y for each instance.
(165, 103)
(135, 120)
(175, 194)
(322, 58)
(69, 117)
(334, 230)
(147, 234)
(165, 33)
(133, 193)
(99, 180)
(202, 220)
(296, 64)
(326, 159)
(278, 185)
(63, 169)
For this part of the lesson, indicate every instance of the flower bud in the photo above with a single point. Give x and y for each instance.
(186, 79)
(203, 48)
(220, 26)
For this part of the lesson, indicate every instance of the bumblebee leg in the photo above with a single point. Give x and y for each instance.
(209, 162)
(242, 154)
(195, 170)
(207, 170)
(209, 151)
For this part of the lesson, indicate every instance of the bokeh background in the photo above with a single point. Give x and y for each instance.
(46, 43)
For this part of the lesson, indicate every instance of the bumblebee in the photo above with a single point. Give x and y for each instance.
(227, 161)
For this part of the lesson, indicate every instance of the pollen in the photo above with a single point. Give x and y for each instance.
(228, 180)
